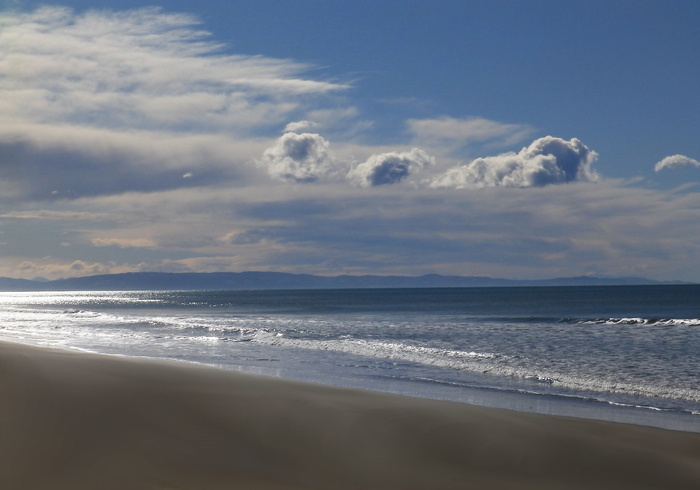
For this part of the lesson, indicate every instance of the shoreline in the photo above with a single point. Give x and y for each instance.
(584, 407)
(82, 421)
(481, 396)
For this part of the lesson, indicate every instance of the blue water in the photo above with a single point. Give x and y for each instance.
(630, 354)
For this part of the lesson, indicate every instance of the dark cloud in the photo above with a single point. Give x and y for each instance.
(30, 171)
(546, 161)
(389, 168)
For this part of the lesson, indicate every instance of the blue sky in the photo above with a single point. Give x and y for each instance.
(523, 139)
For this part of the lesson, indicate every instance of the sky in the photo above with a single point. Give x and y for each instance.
(521, 139)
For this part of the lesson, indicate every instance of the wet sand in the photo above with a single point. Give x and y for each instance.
(81, 421)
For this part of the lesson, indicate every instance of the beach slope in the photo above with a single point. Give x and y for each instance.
(80, 421)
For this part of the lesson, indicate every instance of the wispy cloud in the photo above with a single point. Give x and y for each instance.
(452, 133)
(105, 102)
(136, 68)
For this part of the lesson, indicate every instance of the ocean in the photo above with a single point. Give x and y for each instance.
(622, 353)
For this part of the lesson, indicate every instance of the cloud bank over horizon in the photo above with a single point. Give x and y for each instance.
(132, 141)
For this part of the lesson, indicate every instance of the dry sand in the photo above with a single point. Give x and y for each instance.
(78, 421)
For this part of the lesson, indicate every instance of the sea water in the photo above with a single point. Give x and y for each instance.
(622, 353)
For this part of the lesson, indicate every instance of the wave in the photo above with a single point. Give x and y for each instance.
(651, 322)
(84, 327)
(645, 321)
(394, 351)
(483, 363)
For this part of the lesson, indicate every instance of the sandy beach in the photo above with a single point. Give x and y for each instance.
(80, 421)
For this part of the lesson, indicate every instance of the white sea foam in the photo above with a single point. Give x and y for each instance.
(395, 351)
(652, 322)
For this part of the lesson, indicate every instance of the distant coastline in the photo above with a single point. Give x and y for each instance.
(280, 280)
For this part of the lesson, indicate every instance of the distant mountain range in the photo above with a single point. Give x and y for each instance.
(135, 281)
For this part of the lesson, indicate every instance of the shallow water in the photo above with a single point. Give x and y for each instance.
(628, 353)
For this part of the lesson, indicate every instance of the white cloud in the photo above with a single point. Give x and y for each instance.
(389, 168)
(676, 161)
(547, 160)
(299, 158)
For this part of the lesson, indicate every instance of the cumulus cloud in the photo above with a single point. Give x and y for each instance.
(300, 158)
(389, 168)
(547, 160)
(676, 161)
